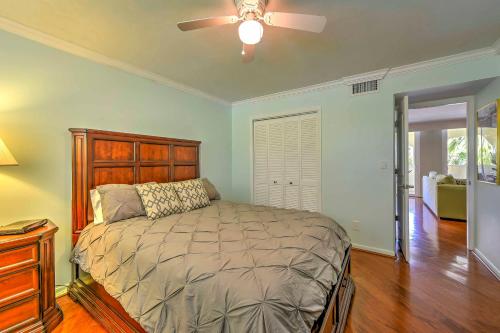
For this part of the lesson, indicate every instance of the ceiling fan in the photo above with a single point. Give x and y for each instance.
(251, 13)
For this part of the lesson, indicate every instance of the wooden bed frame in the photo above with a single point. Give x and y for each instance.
(103, 157)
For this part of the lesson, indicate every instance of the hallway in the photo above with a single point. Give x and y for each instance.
(445, 241)
(444, 289)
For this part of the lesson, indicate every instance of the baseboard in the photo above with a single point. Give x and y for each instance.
(61, 291)
(430, 209)
(486, 262)
(374, 250)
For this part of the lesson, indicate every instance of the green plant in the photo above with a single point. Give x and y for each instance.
(457, 151)
(486, 152)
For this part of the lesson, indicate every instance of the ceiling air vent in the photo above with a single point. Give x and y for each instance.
(365, 87)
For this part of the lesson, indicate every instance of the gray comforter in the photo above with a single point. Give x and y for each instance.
(224, 268)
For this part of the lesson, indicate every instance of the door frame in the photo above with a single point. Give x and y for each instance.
(283, 114)
(418, 187)
(401, 207)
(471, 158)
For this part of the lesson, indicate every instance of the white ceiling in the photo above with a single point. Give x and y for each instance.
(361, 36)
(438, 113)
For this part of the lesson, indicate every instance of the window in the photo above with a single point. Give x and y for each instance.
(457, 153)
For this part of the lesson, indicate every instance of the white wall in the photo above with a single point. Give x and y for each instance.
(488, 198)
(431, 152)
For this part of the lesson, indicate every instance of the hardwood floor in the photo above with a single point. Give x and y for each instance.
(76, 318)
(444, 289)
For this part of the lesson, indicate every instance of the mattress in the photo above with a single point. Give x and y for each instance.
(227, 267)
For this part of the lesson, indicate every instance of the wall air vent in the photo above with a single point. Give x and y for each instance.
(365, 87)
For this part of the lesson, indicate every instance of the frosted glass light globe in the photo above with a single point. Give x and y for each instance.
(251, 32)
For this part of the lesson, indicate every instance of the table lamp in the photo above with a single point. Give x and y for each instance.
(6, 157)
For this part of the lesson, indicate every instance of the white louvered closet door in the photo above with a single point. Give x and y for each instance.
(276, 162)
(292, 163)
(287, 162)
(310, 162)
(260, 153)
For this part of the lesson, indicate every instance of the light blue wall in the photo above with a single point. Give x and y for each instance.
(488, 197)
(43, 92)
(357, 136)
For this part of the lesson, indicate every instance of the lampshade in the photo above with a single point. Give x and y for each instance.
(6, 157)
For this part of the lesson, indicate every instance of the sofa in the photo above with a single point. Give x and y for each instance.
(445, 196)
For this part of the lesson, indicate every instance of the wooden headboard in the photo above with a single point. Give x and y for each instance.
(103, 157)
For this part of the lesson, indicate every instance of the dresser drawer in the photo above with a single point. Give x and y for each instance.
(15, 316)
(21, 257)
(18, 285)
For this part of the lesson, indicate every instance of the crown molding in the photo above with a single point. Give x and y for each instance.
(496, 46)
(62, 45)
(383, 73)
(369, 76)
(48, 40)
(292, 92)
(447, 60)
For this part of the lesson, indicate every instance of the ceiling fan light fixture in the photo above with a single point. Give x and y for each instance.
(251, 32)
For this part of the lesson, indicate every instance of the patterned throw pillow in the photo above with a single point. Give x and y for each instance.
(159, 200)
(192, 194)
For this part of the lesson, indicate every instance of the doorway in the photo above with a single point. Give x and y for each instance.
(457, 148)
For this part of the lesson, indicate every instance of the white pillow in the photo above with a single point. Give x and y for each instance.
(439, 178)
(433, 174)
(95, 197)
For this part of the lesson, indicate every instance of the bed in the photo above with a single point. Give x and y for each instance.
(225, 267)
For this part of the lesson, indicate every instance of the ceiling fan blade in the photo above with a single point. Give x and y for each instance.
(248, 53)
(207, 22)
(311, 23)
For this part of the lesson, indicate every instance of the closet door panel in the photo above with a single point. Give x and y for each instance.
(260, 153)
(292, 157)
(292, 163)
(276, 152)
(276, 196)
(310, 156)
(310, 198)
(276, 162)
(261, 194)
(292, 197)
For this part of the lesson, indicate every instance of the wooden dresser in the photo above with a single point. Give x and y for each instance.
(27, 284)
